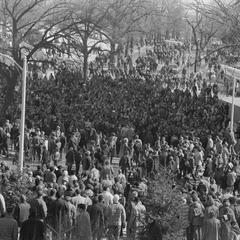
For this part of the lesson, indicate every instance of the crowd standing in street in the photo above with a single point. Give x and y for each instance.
(78, 192)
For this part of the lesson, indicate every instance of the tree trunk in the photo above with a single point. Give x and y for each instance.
(126, 47)
(112, 54)
(196, 58)
(85, 66)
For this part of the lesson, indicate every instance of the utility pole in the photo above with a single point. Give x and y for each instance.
(23, 112)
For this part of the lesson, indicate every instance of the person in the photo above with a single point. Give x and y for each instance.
(45, 156)
(39, 205)
(124, 162)
(82, 230)
(78, 160)
(122, 178)
(211, 228)
(78, 199)
(50, 176)
(33, 228)
(38, 172)
(86, 162)
(227, 218)
(105, 210)
(50, 200)
(117, 218)
(113, 146)
(2, 205)
(63, 143)
(107, 196)
(70, 216)
(70, 159)
(107, 170)
(22, 210)
(36, 146)
(58, 210)
(8, 226)
(137, 217)
(97, 219)
(231, 178)
(196, 214)
(117, 186)
(73, 142)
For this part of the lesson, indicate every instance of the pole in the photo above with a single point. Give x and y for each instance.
(233, 100)
(190, 51)
(21, 148)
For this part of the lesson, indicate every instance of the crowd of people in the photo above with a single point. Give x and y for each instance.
(149, 120)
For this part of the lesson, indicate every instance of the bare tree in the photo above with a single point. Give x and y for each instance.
(225, 15)
(122, 18)
(23, 19)
(202, 35)
(86, 32)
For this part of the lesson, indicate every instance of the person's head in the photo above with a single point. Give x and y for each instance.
(116, 179)
(77, 192)
(105, 188)
(116, 198)
(95, 200)
(52, 193)
(23, 198)
(226, 202)
(82, 207)
(194, 197)
(232, 200)
(52, 169)
(9, 210)
(210, 201)
(68, 197)
(134, 194)
(136, 200)
(211, 214)
(39, 191)
(32, 212)
(59, 194)
(100, 198)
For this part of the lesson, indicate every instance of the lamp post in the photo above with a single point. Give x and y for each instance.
(23, 111)
(233, 104)
(234, 73)
(23, 107)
